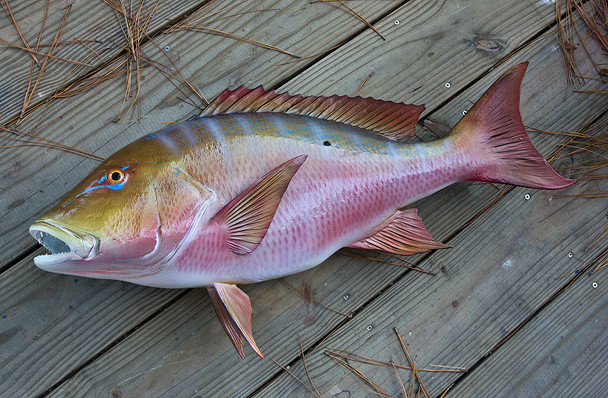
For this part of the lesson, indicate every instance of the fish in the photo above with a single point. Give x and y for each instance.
(262, 185)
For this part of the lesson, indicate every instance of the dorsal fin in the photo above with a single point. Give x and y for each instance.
(390, 119)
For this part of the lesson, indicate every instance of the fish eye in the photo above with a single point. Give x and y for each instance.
(116, 176)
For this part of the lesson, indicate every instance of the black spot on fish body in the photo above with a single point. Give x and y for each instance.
(327, 143)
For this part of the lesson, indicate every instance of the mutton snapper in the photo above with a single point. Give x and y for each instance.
(264, 185)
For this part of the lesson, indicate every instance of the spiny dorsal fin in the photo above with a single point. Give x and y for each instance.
(390, 119)
(248, 216)
(402, 233)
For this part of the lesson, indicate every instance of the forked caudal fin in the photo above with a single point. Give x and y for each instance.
(494, 134)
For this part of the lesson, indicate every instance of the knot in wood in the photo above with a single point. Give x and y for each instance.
(488, 45)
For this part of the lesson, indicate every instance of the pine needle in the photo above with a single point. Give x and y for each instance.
(43, 142)
(56, 39)
(200, 28)
(400, 381)
(9, 13)
(376, 389)
(348, 9)
(412, 266)
(350, 356)
(594, 15)
(318, 394)
(32, 51)
(412, 365)
(358, 90)
(294, 376)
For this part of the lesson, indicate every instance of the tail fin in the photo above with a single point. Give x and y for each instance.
(493, 132)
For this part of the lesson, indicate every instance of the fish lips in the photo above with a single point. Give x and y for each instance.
(65, 244)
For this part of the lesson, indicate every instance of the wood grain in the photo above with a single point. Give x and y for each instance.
(561, 352)
(276, 332)
(51, 324)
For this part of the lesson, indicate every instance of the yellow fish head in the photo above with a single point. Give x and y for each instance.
(124, 220)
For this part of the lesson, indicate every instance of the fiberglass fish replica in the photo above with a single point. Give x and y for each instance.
(264, 185)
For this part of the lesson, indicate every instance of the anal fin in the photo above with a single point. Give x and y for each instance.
(402, 233)
(233, 308)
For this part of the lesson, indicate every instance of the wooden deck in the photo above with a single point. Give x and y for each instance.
(512, 304)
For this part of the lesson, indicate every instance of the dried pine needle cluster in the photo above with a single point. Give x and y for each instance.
(594, 14)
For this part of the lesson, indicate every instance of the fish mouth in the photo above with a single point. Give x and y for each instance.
(64, 244)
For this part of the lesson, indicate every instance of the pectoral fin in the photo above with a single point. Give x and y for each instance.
(402, 233)
(236, 304)
(248, 216)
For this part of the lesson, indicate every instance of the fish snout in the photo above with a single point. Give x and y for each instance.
(65, 244)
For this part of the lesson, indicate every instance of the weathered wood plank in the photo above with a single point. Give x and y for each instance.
(562, 350)
(213, 64)
(51, 324)
(280, 338)
(101, 32)
(434, 42)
